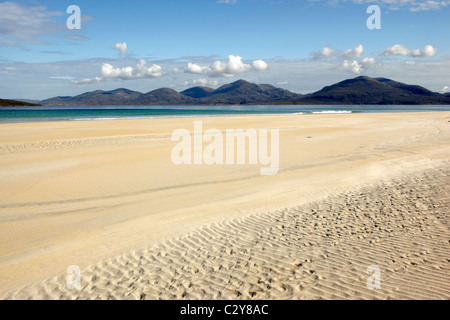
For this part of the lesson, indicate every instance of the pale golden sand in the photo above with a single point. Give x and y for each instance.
(353, 191)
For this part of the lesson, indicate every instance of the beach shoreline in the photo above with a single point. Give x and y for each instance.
(80, 192)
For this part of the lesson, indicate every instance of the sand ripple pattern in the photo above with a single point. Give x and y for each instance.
(317, 251)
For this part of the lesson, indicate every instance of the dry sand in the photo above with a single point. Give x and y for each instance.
(353, 191)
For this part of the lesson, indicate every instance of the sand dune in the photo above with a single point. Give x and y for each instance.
(353, 191)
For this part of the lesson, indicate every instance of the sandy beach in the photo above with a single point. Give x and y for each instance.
(353, 191)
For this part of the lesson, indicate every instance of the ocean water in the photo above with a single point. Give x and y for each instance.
(32, 114)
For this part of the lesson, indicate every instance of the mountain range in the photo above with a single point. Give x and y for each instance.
(361, 91)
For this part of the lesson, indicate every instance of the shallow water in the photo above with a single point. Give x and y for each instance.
(32, 114)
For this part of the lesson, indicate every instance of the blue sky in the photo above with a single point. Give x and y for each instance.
(299, 45)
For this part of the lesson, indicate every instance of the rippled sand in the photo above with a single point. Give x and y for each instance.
(353, 192)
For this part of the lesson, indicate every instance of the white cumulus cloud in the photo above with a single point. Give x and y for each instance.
(230, 68)
(260, 65)
(349, 60)
(326, 52)
(427, 52)
(353, 53)
(352, 66)
(121, 47)
(397, 50)
(197, 69)
(144, 71)
(400, 50)
(368, 61)
(358, 66)
(141, 70)
(108, 71)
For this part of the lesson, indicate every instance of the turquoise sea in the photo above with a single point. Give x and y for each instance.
(31, 114)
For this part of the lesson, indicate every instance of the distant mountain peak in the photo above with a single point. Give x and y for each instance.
(240, 82)
(198, 92)
(377, 91)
